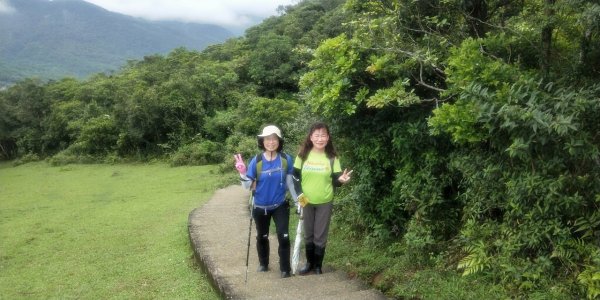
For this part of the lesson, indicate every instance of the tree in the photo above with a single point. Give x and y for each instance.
(273, 66)
(469, 127)
(28, 104)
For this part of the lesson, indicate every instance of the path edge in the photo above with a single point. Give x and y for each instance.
(208, 265)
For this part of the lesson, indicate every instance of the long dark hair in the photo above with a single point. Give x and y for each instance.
(307, 145)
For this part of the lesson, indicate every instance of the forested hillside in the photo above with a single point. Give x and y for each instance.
(55, 39)
(471, 127)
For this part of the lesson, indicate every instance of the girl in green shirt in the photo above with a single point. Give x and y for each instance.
(317, 171)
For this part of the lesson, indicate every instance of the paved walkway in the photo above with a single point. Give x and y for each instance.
(219, 234)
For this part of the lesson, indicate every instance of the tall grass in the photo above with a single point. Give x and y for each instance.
(101, 231)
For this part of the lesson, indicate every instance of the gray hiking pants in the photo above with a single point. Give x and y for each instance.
(316, 223)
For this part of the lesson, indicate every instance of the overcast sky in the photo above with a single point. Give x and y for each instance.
(4, 7)
(233, 14)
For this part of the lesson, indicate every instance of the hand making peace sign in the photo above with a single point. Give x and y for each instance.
(345, 177)
(239, 163)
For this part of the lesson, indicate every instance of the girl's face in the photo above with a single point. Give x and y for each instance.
(319, 138)
(271, 143)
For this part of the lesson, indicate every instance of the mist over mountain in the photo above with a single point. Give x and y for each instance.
(54, 39)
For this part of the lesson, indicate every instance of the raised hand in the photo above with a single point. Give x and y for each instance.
(239, 164)
(345, 177)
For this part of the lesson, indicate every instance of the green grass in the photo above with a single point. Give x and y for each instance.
(101, 231)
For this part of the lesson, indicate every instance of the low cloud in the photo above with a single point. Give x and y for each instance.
(228, 13)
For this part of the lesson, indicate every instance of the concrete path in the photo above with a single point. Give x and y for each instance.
(219, 234)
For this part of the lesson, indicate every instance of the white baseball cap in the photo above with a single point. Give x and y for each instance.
(271, 129)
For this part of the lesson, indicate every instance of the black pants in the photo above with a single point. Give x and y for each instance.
(262, 219)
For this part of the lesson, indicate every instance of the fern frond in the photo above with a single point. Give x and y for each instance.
(590, 279)
(475, 261)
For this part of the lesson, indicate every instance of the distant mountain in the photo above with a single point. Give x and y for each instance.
(54, 39)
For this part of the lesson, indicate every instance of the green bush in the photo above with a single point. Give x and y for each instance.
(197, 154)
(29, 157)
(98, 137)
(68, 157)
(528, 160)
(237, 143)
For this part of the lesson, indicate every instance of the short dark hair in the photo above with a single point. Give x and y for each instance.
(261, 144)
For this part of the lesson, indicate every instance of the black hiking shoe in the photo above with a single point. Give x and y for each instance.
(307, 269)
(262, 268)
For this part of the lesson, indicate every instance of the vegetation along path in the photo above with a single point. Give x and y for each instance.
(219, 234)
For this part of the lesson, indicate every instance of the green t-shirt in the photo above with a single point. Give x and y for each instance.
(316, 177)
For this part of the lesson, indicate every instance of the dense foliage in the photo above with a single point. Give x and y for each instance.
(478, 130)
(470, 124)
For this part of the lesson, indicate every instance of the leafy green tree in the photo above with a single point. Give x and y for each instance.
(61, 126)
(277, 49)
(166, 101)
(255, 112)
(28, 105)
(272, 64)
(8, 124)
(470, 126)
(98, 137)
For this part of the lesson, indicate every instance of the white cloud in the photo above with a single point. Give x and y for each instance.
(228, 13)
(5, 7)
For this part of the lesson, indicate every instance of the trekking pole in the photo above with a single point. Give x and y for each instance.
(249, 235)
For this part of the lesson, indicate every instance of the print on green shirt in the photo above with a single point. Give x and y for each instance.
(316, 177)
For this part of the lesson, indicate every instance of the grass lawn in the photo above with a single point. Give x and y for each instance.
(101, 231)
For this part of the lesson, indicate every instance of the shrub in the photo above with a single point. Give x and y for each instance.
(29, 157)
(203, 153)
(68, 157)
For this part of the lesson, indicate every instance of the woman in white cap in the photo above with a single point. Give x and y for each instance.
(269, 174)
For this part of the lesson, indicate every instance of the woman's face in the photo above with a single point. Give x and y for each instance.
(271, 143)
(319, 138)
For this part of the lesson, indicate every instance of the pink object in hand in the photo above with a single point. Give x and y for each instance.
(239, 164)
